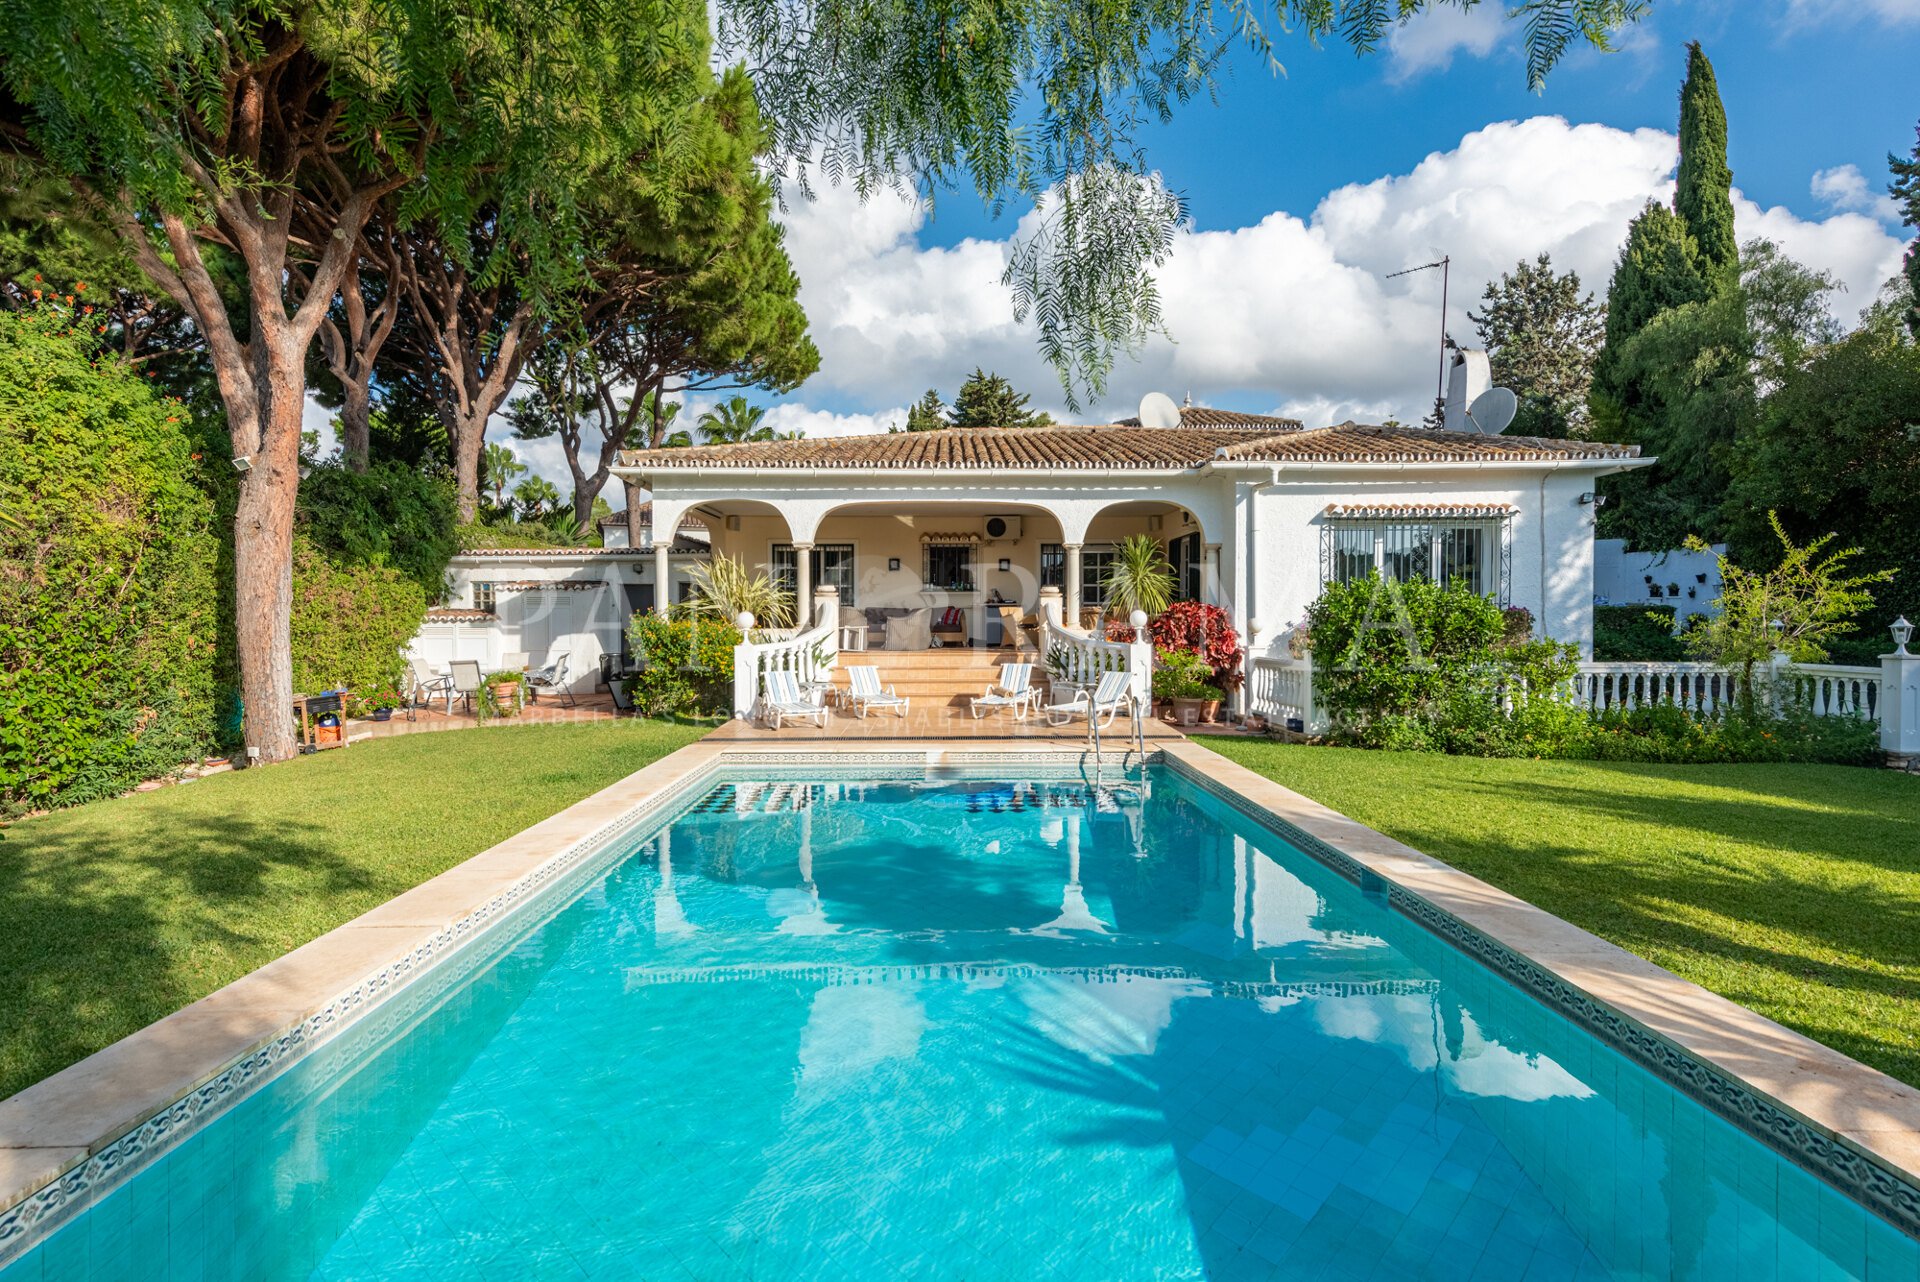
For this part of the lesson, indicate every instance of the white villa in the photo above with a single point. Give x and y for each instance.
(1257, 513)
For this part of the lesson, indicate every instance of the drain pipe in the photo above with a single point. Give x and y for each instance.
(1250, 596)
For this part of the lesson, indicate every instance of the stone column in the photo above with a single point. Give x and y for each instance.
(1070, 585)
(802, 584)
(662, 573)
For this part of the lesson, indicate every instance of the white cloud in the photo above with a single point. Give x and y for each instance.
(1429, 40)
(1294, 313)
(1891, 12)
(1844, 187)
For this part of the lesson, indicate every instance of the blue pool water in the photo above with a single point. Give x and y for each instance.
(968, 1030)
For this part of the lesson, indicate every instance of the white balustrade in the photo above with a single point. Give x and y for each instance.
(810, 655)
(1835, 690)
(1281, 690)
(1076, 659)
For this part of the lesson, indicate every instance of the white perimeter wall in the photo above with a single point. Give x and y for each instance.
(586, 617)
(1620, 577)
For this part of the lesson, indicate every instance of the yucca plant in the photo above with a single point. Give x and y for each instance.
(1138, 577)
(724, 586)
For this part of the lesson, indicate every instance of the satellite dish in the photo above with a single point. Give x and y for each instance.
(1158, 410)
(1492, 410)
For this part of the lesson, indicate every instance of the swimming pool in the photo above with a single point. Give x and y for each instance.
(967, 1029)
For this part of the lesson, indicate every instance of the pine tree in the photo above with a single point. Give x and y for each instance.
(929, 414)
(1703, 190)
(1541, 336)
(987, 400)
(1905, 189)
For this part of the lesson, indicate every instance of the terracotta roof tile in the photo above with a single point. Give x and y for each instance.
(1356, 443)
(575, 554)
(984, 448)
(1205, 416)
(1353, 511)
(1119, 446)
(616, 520)
(456, 614)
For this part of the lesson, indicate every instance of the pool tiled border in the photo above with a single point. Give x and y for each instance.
(1851, 1125)
(69, 1140)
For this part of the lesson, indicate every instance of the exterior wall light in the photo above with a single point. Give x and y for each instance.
(1902, 633)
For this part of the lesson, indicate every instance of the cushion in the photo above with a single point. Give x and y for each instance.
(852, 618)
(912, 631)
(951, 618)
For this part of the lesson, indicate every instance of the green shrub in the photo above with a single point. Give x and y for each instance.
(1385, 649)
(1636, 634)
(1182, 674)
(390, 515)
(687, 664)
(351, 624)
(107, 571)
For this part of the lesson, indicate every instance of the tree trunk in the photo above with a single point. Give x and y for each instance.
(467, 438)
(263, 564)
(356, 425)
(636, 533)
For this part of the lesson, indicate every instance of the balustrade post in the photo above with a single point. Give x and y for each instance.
(746, 670)
(1900, 702)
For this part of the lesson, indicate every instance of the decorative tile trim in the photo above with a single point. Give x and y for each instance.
(1884, 1191)
(36, 1216)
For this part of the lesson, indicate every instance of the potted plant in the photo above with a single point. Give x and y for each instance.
(1179, 677)
(500, 694)
(381, 706)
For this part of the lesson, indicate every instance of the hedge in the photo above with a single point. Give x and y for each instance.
(686, 665)
(1636, 634)
(351, 624)
(107, 571)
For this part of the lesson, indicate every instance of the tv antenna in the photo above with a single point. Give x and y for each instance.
(1445, 264)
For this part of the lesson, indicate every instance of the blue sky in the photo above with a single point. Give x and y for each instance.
(1307, 189)
(1807, 88)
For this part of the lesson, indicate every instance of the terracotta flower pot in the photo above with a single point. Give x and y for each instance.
(1211, 712)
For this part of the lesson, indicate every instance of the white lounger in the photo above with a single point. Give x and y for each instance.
(865, 691)
(1106, 701)
(1015, 690)
(782, 703)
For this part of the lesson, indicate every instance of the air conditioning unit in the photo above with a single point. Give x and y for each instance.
(1004, 528)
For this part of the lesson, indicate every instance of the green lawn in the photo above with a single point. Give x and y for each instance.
(1793, 890)
(115, 914)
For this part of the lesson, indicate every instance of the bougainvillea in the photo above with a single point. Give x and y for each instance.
(1197, 628)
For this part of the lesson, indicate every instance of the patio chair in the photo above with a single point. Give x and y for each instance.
(428, 685)
(464, 682)
(552, 676)
(781, 703)
(1015, 690)
(1105, 701)
(1013, 632)
(865, 692)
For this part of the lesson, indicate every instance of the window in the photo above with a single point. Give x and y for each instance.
(1094, 560)
(831, 565)
(947, 567)
(1187, 557)
(1469, 554)
(483, 596)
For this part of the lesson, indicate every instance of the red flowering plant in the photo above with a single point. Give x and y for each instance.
(1194, 627)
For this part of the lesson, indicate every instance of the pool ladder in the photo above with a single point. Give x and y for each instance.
(1139, 724)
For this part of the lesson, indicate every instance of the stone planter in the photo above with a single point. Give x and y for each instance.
(1189, 712)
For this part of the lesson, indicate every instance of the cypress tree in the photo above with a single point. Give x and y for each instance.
(1905, 190)
(1660, 267)
(1703, 193)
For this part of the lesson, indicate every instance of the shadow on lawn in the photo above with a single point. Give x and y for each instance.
(100, 936)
